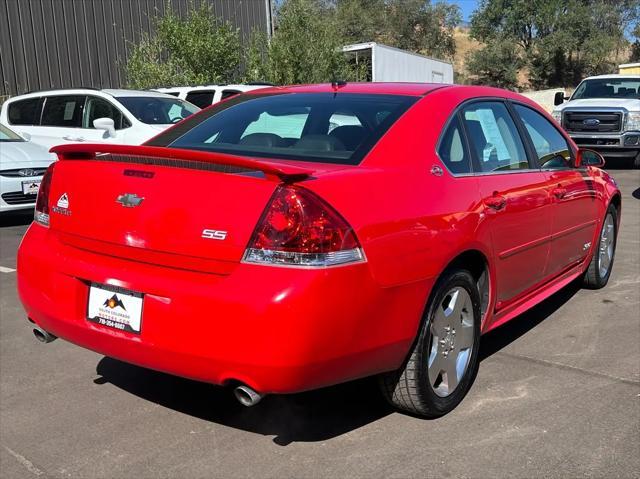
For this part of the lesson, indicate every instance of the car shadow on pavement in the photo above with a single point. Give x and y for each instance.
(306, 417)
(16, 218)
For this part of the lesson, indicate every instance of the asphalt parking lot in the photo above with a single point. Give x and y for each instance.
(557, 395)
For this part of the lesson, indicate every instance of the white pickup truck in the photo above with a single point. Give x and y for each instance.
(603, 114)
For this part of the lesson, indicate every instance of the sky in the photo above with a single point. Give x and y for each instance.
(466, 7)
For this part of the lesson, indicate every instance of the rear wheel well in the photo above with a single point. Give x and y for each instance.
(476, 263)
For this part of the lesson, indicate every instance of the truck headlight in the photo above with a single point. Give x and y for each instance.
(557, 116)
(633, 121)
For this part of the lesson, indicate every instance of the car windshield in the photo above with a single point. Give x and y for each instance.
(316, 127)
(158, 110)
(608, 88)
(7, 135)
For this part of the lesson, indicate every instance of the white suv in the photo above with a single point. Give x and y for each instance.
(130, 117)
(207, 95)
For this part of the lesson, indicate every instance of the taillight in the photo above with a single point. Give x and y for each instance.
(299, 229)
(41, 214)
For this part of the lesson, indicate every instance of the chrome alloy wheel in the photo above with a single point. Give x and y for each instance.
(607, 243)
(452, 337)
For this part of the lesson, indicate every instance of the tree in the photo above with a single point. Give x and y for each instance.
(414, 25)
(196, 50)
(558, 41)
(635, 48)
(496, 64)
(305, 48)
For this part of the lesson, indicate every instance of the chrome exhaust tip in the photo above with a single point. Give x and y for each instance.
(43, 336)
(247, 396)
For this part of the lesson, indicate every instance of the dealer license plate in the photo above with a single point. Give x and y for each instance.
(30, 187)
(115, 307)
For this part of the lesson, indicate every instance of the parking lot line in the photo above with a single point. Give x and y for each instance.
(4, 269)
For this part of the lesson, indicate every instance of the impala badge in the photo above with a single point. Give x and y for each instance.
(129, 200)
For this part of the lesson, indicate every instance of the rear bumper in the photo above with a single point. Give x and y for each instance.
(278, 330)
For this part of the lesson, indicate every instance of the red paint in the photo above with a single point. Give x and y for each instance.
(280, 329)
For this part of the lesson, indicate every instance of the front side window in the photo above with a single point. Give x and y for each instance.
(158, 110)
(452, 151)
(551, 147)
(7, 135)
(25, 112)
(494, 138)
(201, 98)
(63, 111)
(300, 126)
(100, 108)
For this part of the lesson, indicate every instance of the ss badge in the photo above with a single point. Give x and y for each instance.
(214, 234)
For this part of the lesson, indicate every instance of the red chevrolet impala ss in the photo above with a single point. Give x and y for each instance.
(293, 238)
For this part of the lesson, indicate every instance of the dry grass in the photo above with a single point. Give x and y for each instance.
(464, 45)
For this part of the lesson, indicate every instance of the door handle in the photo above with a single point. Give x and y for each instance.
(496, 202)
(68, 138)
(559, 192)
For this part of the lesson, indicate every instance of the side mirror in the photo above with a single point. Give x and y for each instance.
(559, 98)
(589, 158)
(105, 124)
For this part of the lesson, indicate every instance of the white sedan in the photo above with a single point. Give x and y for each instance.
(22, 165)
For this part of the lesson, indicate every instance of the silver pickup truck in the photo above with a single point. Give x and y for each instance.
(603, 114)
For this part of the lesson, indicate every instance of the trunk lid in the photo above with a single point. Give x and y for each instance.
(161, 205)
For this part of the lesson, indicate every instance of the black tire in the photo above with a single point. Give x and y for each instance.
(636, 162)
(593, 277)
(409, 389)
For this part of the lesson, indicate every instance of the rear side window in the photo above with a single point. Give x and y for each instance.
(301, 126)
(452, 150)
(64, 111)
(228, 94)
(201, 98)
(99, 108)
(25, 112)
(551, 147)
(494, 138)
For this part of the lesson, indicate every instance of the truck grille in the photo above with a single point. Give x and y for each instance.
(18, 198)
(592, 122)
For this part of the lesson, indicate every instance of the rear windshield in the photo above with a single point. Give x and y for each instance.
(157, 110)
(315, 127)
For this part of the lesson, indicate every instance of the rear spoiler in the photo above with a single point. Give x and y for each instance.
(272, 169)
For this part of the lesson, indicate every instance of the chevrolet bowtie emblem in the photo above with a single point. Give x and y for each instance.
(129, 200)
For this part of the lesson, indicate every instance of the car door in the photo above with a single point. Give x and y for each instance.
(95, 108)
(571, 190)
(61, 120)
(515, 199)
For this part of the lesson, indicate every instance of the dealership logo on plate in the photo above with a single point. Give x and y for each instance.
(114, 302)
(63, 202)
